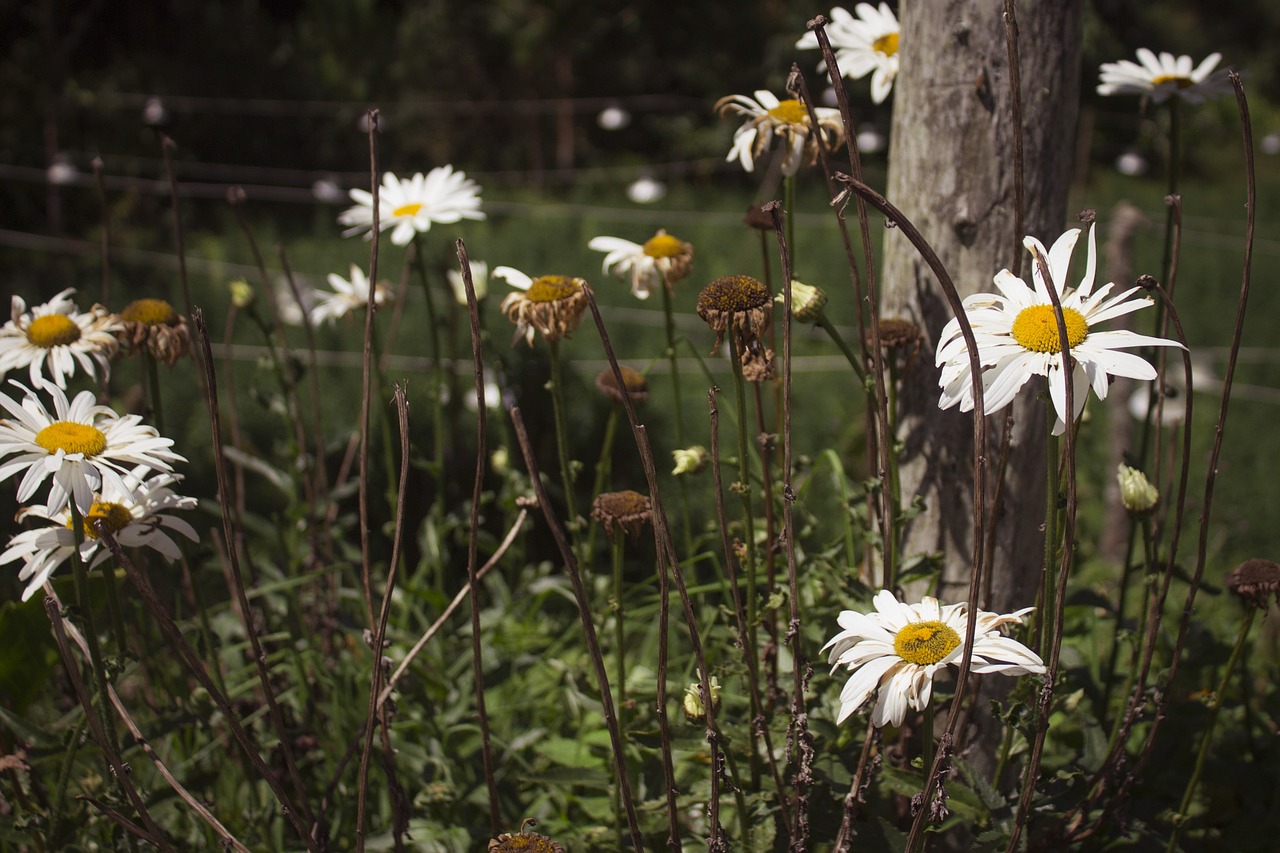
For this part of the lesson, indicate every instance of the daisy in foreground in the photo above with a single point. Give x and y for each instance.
(897, 652)
(787, 121)
(85, 447)
(137, 518)
(57, 335)
(1161, 77)
(867, 44)
(346, 296)
(551, 304)
(660, 261)
(442, 195)
(1017, 336)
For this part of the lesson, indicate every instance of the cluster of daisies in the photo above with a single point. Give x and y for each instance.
(101, 470)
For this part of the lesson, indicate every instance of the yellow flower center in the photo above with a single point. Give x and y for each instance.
(790, 111)
(1036, 328)
(663, 245)
(115, 516)
(149, 312)
(1176, 80)
(407, 210)
(925, 643)
(71, 437)
(53, 330)
(886, 44)
(551, 288)
(733, 293)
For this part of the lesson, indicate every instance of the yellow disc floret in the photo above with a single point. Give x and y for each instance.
(407, 210)
(925, 643)
(115, 516)
(886, 44)
(790, 111)
(1036, 328)
(53, 330)
(71, 437)
(1178, 81)
(663, 245)
(550, 288)
(149, 312)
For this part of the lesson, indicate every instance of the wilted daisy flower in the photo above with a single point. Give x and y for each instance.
(479, 282)
(524, 841)
(1255, 581)
(628, 510)
(346, 296)
(85, 447)
(153, 324)
(57, 335)
(897, 652)
(740, 304)
(1161, 77)
(408, 207)
(137, 518)
(787, 121)
(1017, 336)
(867, 44)
(660, 261)
(551, 304)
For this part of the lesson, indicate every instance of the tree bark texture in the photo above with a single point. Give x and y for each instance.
(952, 173)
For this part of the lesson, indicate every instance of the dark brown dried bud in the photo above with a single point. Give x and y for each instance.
(635, 385)
(629, 510)
(1255, 581)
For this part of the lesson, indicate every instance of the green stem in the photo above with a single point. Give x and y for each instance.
(437, 373)
(64, 780)
(677, 398)
(603, 467)
(834, 333)
(1215, 705)
(894, 486)
(96, 662)
(562, 436)
(789, 188)
(153, 389)
(620, 644)
(926, 736)
(1050, 568)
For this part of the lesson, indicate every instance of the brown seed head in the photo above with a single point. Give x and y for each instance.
(629, 510)
(635, 385)
(1255, 581)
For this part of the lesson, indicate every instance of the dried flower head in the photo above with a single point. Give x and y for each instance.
(740, 304)
(694, 708)
(551, 304)
(634, 384)
(1255, 581)
(899, 336)
(524, 841)
(758, 218)
(1136, 492)
(155, 325)
(629, 510)
(807, 301)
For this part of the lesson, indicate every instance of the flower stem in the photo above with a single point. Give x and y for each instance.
(603, 468)
(827, 326)
(1050, 569)
(562, 437)
(677, 399)
(437, 370)
(153, 391)
(1215, 705)
(743, 488)
(96, 661)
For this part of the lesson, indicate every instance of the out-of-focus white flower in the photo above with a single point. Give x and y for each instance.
(411, 206)
(346, 296)
(646, 190)
(1164, 76)
(479, 282)
(867, 44)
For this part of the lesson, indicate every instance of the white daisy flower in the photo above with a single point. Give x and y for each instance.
(346, 296)
(864, 45)
(1161, 77)
(660, 261)
(479, 281)
(58, 335)
(85, 447)
(898, 651)
(787, 121)
(411, 206)
(137, 518)
(1017, 336)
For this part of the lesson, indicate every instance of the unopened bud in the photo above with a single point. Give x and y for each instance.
(690, 460)
(242, 293)
(693, 706)
(1136, 492)
(807, 302)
